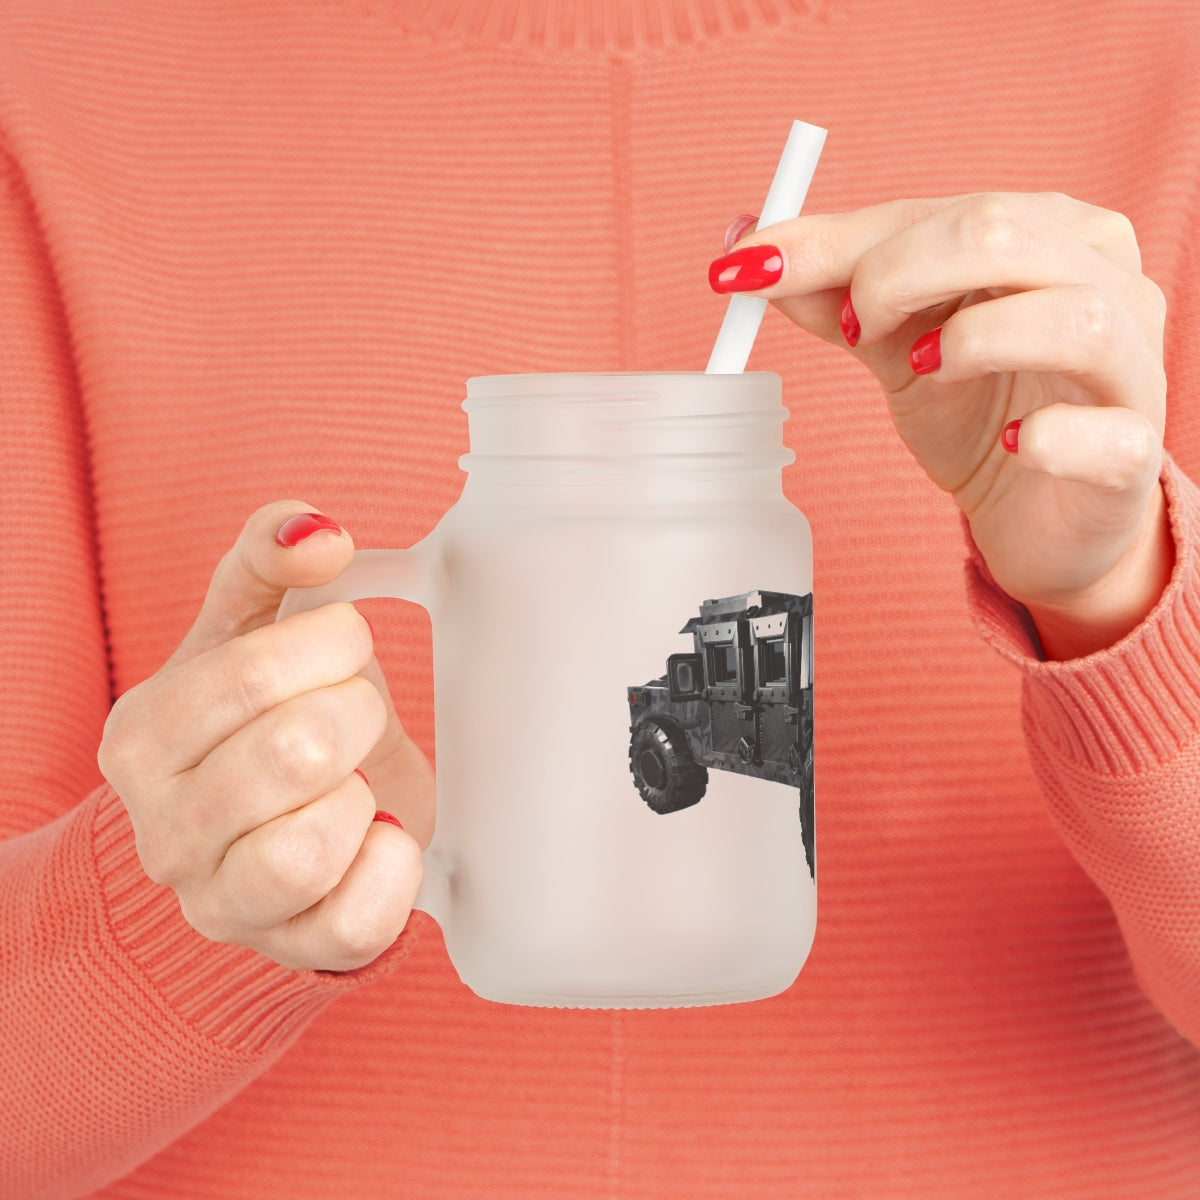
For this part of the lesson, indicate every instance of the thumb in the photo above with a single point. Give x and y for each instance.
(1115, 450)
(287, 544)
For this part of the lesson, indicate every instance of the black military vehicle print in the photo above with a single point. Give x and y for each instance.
(741, 701)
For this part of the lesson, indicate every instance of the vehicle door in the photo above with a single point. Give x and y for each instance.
(729, 672)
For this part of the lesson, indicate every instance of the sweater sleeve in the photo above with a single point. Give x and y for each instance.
(1114, 739)
(120, 1027)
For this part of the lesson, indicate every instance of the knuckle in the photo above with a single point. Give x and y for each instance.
(160, 856)
(121, 751)
(206, 918)
(1126, 449)
(360, 934)
(1156, 300)
(298, 859)
(371, 711)
(339, 629)
(112, 753)
(1117, 229)
(258, 679)
(298, 751)
(1112, 234)
(212, 916)
(969, 341)
(818, 254)
(1140, 445)
(1117, 476)
(994, 226)
(887, 288)
(350, 633)
(1090, 317)
(880, 285)
(917, 208)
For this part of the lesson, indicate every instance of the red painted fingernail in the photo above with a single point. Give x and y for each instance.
(926, 353)
(746, 270)
(737, 227)
(380, 815)
(1009, 436)
(362, 777)
(295, 529)
(851, 330)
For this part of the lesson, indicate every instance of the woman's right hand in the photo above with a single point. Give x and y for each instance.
(237, 762)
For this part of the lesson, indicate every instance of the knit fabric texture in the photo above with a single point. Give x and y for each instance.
(253, 251)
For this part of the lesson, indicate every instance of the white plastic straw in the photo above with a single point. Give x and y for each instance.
(788, 189)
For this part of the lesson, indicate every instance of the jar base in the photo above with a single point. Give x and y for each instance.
(500, 995)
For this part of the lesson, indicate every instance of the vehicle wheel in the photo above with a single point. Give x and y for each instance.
(664, 770)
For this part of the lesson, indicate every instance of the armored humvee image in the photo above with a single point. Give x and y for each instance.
(740, 701)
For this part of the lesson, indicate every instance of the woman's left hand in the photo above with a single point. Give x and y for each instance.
(980, 312)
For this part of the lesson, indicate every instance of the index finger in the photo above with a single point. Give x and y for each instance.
(820, 251)
(189, 709)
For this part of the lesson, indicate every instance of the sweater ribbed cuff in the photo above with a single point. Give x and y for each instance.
(1128, 708)
(236, 997)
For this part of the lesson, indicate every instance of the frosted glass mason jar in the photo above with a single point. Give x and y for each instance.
(621, 604)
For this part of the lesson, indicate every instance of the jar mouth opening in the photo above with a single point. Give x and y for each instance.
(749, 389)
(734, 459)
(626, 421)
(523, 379)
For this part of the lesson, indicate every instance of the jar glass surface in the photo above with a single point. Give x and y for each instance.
(601, 513)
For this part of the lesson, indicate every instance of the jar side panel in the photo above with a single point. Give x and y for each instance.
(546, 629)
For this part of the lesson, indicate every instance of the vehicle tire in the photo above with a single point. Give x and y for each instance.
(663, 767)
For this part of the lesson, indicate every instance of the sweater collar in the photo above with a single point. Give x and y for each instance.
(617, 26)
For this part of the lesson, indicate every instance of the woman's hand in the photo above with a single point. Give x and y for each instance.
(237, 762)
(1020, 350)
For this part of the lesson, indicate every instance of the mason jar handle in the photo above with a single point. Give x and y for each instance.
(400, 575)
(397, 574)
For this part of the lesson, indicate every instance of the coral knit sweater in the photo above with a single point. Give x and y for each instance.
(253, 250)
